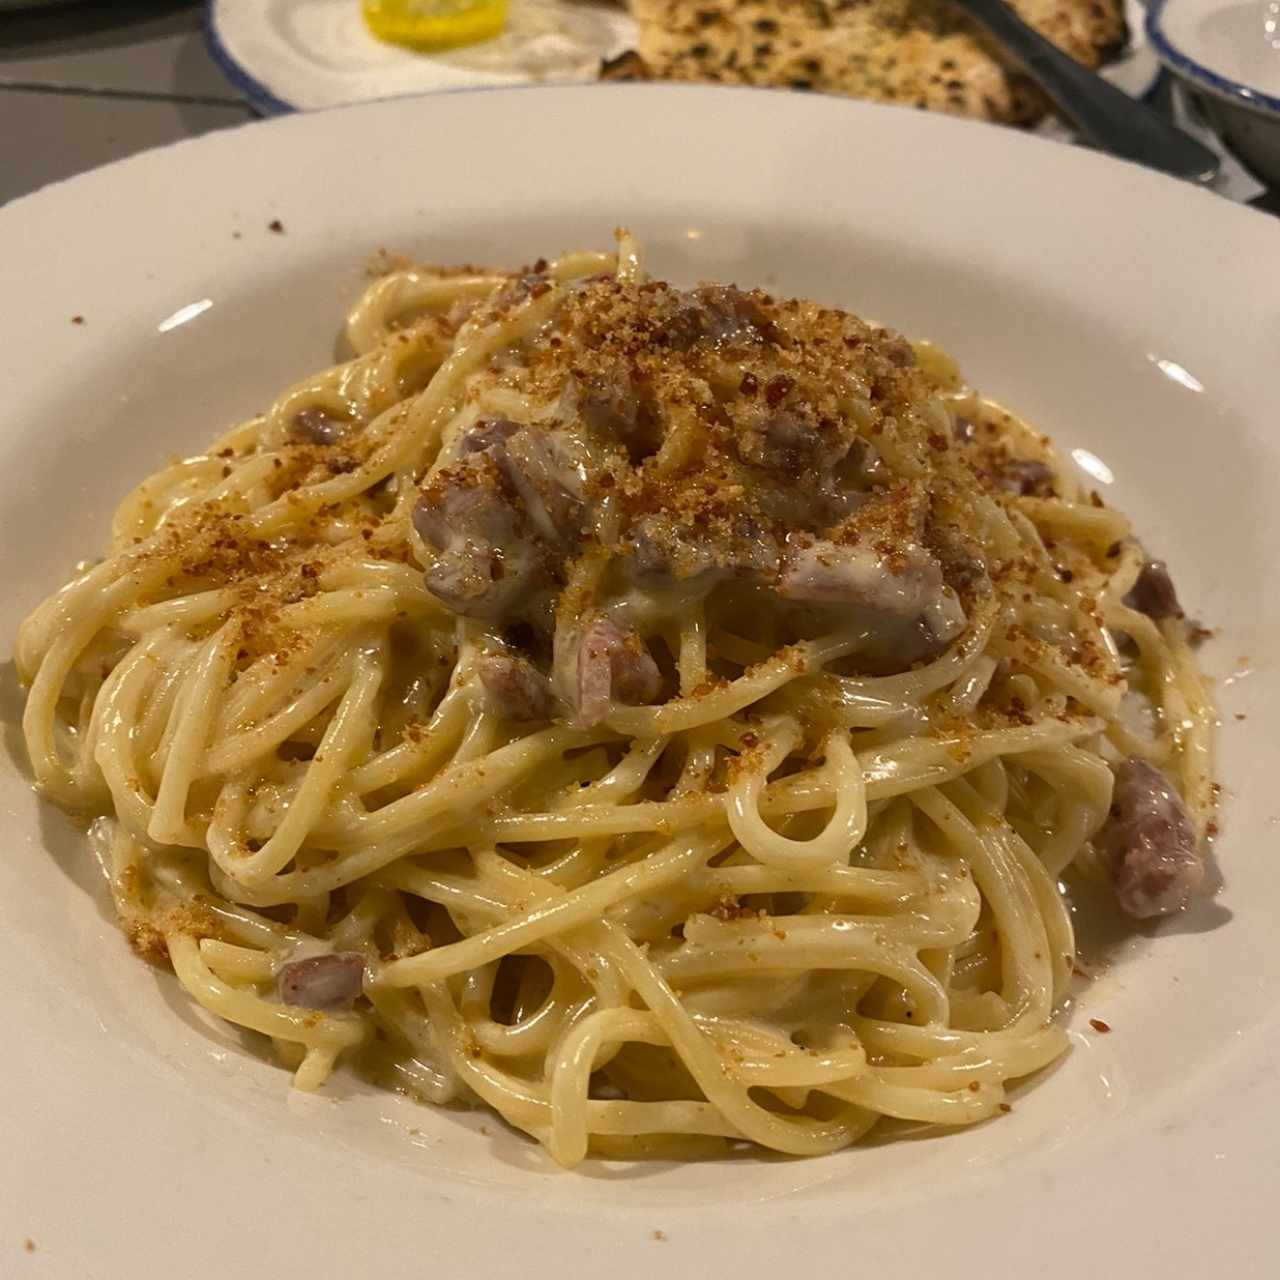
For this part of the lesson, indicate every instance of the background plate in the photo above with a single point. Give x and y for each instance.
(286, 55)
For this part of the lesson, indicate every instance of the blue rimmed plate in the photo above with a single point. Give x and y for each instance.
(1228, 56)
(302, 55)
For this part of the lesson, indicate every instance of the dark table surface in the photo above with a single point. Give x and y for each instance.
(84, 84)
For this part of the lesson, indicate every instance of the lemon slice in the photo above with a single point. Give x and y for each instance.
(435, 24)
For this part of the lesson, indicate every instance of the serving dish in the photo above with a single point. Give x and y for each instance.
(1228, 57)
(145, 1137)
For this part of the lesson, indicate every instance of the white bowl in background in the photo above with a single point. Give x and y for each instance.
(1228, 55)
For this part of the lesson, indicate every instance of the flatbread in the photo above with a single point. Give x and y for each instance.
(923, 53)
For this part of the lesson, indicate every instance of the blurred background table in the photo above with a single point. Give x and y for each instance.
(86, 83)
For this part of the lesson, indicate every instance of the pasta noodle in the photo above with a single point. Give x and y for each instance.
(715, 783)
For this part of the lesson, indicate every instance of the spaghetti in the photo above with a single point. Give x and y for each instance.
(663, 716)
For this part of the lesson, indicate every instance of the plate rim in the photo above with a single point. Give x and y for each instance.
(1071, 153)
(1203, 77)
(256, 93)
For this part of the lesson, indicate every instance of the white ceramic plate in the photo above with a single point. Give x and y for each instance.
(1228, 58)
(1232, 50)
(298, 55)
(1127, 314)
(287, 55)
